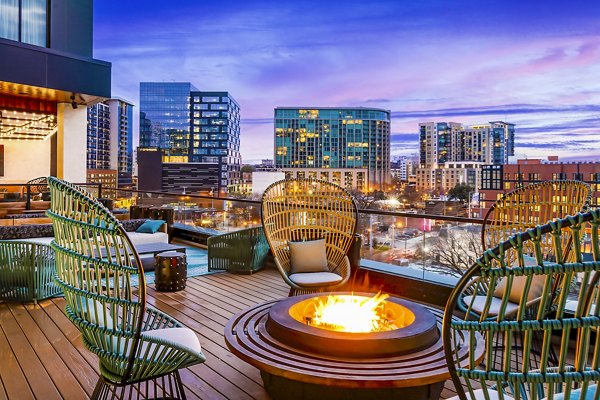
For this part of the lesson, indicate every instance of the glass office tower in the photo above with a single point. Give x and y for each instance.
(165, 107)
(215, 124)
(337, 138)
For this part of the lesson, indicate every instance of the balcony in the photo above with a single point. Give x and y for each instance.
(401, 253)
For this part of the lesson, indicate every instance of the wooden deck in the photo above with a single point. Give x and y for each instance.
(42, 356)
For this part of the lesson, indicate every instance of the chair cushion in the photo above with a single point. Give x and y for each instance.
(576, 394)
(150, 226)
(516, 292)
(480, 395)
(315, 279)
(479, 304)
(183, 337)
(309, 256)
(144, 238)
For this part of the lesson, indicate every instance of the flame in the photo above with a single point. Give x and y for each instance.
(350, 313)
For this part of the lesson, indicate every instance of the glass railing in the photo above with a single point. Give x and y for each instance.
(30, 198)
(436, 248)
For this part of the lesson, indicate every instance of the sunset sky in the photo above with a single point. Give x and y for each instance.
(535, 64)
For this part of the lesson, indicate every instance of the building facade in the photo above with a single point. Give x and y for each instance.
(192, 126)
(349, 178)
(47, 78)
(165, 118)
(451, 153)
(215, 125)
(334, 138)
(500, 179)
(110, 139)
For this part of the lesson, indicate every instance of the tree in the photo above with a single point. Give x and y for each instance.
(454, 252)
(460, 192)
(247, 168)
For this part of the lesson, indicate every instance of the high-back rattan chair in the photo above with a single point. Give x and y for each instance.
(140, 348)
(532, 205)
(577, 371)
(299, 210)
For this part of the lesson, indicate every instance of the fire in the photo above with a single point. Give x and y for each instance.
(350, 313)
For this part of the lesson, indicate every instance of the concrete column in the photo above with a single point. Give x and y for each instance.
(71, 147)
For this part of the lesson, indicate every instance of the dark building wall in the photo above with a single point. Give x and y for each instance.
(149, 169)
(195, 177)
(71, 27)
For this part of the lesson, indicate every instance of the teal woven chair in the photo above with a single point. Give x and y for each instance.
(509, 316)
(27, 271)
(140, 349)
(242, 251)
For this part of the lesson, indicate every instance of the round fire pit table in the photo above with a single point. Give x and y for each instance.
(170, 272)
(294, 367)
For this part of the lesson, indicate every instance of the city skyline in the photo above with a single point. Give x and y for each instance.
(534, 65)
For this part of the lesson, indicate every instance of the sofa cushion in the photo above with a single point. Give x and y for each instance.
(26, 231)
(38, 240)
(150, 226)
(144, 238)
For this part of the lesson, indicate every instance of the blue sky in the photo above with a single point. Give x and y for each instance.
(535, 64)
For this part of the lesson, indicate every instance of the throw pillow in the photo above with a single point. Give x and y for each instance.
(518, 285)
(150, 226)
(309, 256)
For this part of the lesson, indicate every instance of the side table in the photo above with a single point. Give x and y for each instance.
(170, 273)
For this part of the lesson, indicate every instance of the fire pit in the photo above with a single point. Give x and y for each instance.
(352, 325)
(394, 352)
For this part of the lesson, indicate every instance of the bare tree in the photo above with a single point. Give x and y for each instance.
(453, 253)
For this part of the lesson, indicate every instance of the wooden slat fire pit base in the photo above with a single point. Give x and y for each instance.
(296, 374)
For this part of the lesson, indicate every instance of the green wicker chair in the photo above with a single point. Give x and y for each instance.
(140, 349)
(298, 210)
(516, 377)
(242, 251)
(27, 271)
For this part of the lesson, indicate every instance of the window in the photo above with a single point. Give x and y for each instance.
(32, 17)
(578, 176)
(210, 114)
(210, 99)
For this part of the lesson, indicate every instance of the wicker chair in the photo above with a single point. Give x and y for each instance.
(27, 271)
(242, 251)
(516, 377)
(532, 205)
(298, 210)
(140, 349)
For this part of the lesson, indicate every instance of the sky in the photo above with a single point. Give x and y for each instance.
(532, 63)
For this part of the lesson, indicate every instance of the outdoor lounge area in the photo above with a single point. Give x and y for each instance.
(256, 342)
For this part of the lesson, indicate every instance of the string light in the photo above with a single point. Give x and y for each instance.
(21, 125)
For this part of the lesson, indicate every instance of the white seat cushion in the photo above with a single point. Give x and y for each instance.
(314, 279)
(138, 238)
(39, 240)
(183, 337)
(479, 304)
(480, 395)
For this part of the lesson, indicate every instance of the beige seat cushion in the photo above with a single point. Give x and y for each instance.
(479, 304)
(315, 279)
(518, 285)
(309, 256)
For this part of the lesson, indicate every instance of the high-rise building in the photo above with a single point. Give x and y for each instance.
(215, 121)
(334, 142)
(442, 142)
(98, 137)
(194, 127)
(451, 153)
(110, 140)
(48, 76)
(165, 118)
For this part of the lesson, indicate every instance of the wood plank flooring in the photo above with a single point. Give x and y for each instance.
(42, 356)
